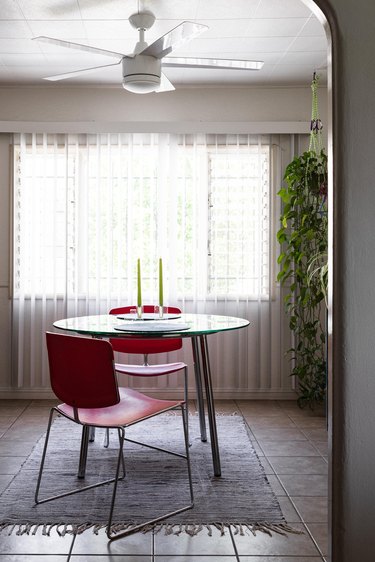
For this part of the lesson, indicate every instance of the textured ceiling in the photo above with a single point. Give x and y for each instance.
(282, 33)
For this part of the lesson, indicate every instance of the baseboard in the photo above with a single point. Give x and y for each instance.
(168, 393)
(26, 394)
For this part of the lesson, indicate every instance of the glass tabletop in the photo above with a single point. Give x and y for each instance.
(187, 325)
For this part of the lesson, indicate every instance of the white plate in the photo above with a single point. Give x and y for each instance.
(149, 316)
(151, 327)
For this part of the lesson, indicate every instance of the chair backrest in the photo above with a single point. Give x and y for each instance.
(145, 346)
(82, 371)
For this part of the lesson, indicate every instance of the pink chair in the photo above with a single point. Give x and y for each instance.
(102, 404)
(146, 347)
(158, 345)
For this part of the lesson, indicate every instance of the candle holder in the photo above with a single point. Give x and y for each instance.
(139, 312)
(158, 311)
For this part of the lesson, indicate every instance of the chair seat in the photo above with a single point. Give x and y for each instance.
(133, 407)
(149, 370)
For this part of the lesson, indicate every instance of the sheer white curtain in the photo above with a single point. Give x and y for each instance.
(86, 207)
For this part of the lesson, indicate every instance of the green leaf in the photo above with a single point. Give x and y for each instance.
(304, 234)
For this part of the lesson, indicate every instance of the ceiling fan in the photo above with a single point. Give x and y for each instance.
(142, 70)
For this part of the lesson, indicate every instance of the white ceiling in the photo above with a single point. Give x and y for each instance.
(282, 33)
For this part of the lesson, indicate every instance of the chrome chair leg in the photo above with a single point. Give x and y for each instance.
(106, 445)
(76, 490)
(92, 434)
(44, 454)
(185, 423)
(106, 438)
(115, 536)
(121, 433)
(186, 401)
(122, 456)
(115, 480)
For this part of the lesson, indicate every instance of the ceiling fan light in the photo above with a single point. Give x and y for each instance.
(141, 83)
(141, 74)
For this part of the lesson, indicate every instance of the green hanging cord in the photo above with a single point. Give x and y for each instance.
(316, 126)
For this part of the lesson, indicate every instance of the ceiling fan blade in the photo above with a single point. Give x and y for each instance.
(228, 64)
(165, 84)
(182, 33)
(78, 72)
(78, 46)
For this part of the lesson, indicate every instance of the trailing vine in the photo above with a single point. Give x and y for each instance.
(303, 265)
(303, 235)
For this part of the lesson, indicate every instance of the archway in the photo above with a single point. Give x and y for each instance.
(322, 11)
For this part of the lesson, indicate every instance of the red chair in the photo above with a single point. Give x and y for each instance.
(158, 345)
(146, 347)
(102, 404)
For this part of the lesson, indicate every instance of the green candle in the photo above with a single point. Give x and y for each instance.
(139, 289)
(160, 282)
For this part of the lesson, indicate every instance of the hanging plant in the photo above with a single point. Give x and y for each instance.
(303, 236)
(318, 268)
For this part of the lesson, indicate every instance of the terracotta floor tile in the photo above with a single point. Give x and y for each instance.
(201, 544)
(312, 510)
(263, 544)
(288, 449)
(88, 543)
(305, 484)
(298, 465)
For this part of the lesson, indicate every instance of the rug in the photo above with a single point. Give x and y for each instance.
(155, 482)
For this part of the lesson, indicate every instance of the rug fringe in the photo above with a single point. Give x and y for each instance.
(191, 529)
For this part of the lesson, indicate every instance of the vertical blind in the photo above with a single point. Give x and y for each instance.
(86, 207)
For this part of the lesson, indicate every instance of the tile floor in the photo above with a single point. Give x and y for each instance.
(292, 446)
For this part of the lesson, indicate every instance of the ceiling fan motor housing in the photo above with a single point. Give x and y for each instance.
(141, 74)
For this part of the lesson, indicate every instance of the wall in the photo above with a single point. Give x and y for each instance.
(114, 108)
(110, 109)
(352, 196)
(5, 310)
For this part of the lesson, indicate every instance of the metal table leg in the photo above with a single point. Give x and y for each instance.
(83, 452)
(210, 405)
(198, 385)
(88, 436)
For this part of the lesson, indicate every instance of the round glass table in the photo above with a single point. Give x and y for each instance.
(184, 325)
(194, 326)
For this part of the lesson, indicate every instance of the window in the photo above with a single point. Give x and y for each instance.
(87, 206)
(238, 189)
